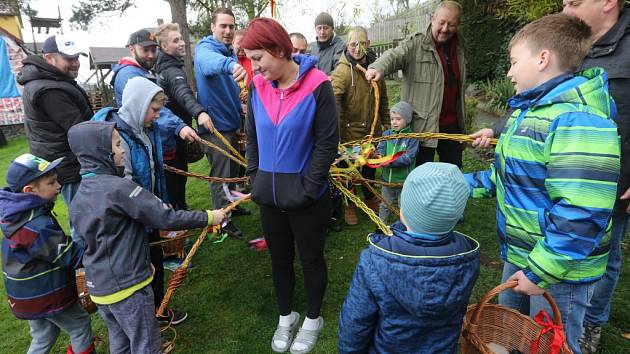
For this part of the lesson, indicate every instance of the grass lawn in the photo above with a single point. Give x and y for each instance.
(229, 294)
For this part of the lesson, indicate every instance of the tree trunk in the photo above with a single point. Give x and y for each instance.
(178, 13)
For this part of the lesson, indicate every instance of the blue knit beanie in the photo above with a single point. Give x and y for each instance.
(433, 198)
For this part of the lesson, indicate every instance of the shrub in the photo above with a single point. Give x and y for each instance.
(497, 92)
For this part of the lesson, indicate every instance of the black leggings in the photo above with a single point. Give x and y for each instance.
(305, 227)
(448, 151)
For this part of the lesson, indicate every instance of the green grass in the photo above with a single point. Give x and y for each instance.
(229, 293)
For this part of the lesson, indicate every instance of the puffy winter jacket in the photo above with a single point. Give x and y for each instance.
(172, 78)
(399, 169)
(409, 295)
(555, 178)
(53, 102)
(38, 259)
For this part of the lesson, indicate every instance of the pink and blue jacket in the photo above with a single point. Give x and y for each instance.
(292, 137)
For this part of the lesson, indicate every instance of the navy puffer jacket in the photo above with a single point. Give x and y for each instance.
(409, 295)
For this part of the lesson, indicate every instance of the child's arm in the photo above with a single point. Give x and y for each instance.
(358, 314)
(582, 158)
(54, 246)
(482, 184)
(409, 156)
(143, 206)
(169, 123)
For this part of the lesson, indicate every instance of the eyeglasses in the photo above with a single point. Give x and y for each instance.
(361, 44)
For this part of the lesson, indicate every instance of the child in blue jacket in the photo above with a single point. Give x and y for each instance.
(39, 259)
(410, 291)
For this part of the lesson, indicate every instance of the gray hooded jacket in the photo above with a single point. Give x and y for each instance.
(110, 214)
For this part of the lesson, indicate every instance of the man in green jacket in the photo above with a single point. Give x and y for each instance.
(434, 72)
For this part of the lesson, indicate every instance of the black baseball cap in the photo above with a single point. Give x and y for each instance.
(142, 38)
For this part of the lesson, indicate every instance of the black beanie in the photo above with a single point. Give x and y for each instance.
(324, 19)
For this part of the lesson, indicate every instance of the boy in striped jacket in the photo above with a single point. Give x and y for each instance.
(39, 259)
(555, 172)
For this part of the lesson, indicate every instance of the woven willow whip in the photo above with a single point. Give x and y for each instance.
(179, 275)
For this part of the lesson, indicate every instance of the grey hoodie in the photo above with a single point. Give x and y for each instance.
(110, 214)
(136, 99)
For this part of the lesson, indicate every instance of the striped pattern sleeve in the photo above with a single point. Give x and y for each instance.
(582, 152)
(482, 184)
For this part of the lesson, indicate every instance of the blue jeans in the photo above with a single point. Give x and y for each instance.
(572, 300)
(131, 324)
(73, 320)
(599, 311)
(68, 190)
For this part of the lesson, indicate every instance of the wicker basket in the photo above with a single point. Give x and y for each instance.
(486, 323)
(174, 247)
(84, 296)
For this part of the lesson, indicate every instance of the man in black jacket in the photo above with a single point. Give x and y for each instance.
(172, 78)
(54, 102)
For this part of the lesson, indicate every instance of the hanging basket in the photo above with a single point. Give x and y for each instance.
(487, 323)
(84, 296)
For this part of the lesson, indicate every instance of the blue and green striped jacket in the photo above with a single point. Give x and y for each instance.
(555, 178)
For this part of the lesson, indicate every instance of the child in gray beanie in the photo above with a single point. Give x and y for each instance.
(410, 291)
(396, 172)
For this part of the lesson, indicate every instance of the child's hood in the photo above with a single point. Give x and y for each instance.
(588, 87)
(136, 99)
(13, 205)
(91, 142)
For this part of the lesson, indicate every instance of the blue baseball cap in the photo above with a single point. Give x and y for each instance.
(26, 168)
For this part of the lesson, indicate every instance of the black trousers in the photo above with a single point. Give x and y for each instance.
(448, 151)
(176, 184)
(306, 228)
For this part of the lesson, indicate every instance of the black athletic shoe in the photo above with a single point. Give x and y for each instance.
(232, 230)
(172, 316)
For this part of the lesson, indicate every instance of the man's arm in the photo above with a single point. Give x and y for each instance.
(394, 59)
(212, 63)
(180, 91)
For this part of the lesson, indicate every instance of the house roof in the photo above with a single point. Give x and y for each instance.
(105, 57)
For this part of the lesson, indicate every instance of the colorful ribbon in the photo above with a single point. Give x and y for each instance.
(543, 319)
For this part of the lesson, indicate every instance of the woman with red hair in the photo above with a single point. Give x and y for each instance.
(292, 138)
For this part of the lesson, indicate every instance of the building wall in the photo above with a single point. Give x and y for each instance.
(11, 24)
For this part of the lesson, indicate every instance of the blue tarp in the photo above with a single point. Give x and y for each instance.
(8, 86)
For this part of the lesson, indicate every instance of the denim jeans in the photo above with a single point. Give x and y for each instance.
(392, 196)
(599, 311)
(572, 300)
(73, 320)
(131, 324)
(68, 190)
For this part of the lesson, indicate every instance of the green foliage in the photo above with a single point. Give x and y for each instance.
(527, 9)
(497, 92)
(486, 38)
(471, 113)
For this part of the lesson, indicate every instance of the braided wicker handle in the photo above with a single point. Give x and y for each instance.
(557, 317)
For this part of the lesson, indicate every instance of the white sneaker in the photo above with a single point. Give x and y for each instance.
(306, 340)
(284, 334)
